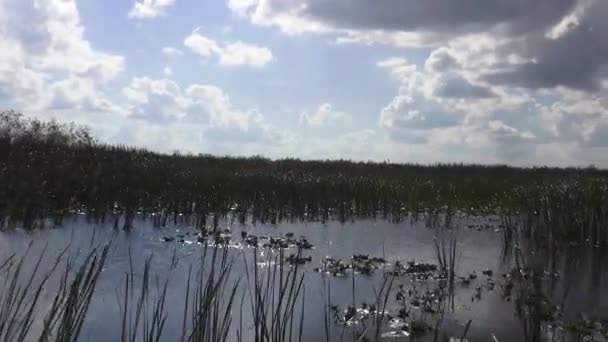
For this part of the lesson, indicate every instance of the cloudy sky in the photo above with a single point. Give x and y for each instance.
(522, 82)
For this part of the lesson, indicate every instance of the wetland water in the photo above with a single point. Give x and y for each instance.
(577, 282)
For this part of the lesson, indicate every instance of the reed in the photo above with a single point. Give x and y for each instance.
(50, 170)
(274, 296)
(20, 295)
(212, 298)
(445, 241)
(142, 315)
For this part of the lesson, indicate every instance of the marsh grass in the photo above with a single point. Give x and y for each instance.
(571, 212)
(49, 170)
(20, 295)
(275, 294)
(143, 314)
(71, 303)
(213, 297)
(445, 241)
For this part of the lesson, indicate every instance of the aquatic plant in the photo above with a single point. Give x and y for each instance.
(20, 296)
(274, 295)
(212, 299)
(49, 170)
(142, 315)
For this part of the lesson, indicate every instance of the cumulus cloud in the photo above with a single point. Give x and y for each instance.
(147, 9)
(445, 105)
(441, 59)
(453, 104)
(503, 80)
(535, 44)
(399, 22)
(456, 86)
(504, 132)
(48, 68)
(324, 114)
(78, 94)
(429, 98)
(577, 118)
(230, 54)
(163, 101)
(46, 60)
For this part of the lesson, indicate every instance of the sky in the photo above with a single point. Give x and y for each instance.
(518, 82)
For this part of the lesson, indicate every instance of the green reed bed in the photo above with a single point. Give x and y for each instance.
(50, 170)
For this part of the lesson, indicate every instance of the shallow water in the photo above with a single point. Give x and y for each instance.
(477, 250)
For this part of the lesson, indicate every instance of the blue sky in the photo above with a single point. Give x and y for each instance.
(428, 81)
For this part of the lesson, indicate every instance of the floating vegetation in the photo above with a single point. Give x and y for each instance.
(419, 271)
(334, 267)
(294, 259)
(354, 316)
(360, 264)
(364, 264)
(276, 242)
(427, 301)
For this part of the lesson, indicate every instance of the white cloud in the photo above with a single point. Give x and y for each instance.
(46, 60)
(289, 19)
(445, 106)
(431, 98)
(239, 53)
(577, 118)
(77, 94)
(241, 7)
(201, 45)
(374, 37)
(323, 115)
(171, 51)
(392, 62)
(505, 132)
(230, 54)
(147, 9)
(449, 104)
(162, 101)
(500, 81)
(498, 84)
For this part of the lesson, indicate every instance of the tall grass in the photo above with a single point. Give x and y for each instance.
(274, 297)
(48, 170)
(445, 242)
(142, 315)
(71, 304)
(20, 295)
(212, 299)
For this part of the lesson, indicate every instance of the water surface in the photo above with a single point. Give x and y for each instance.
(583, 278)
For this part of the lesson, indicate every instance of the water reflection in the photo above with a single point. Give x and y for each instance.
(373, 280)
